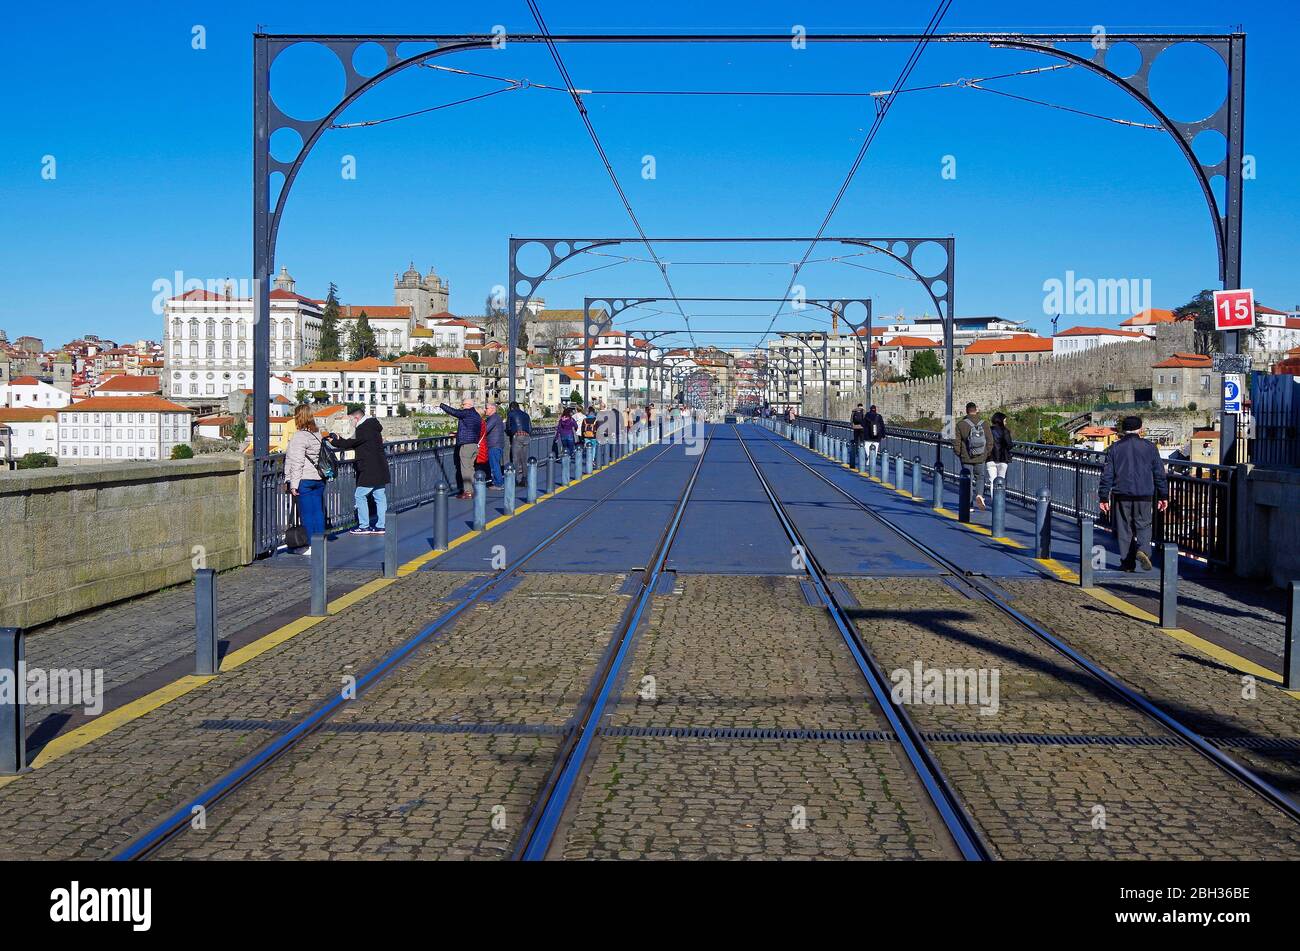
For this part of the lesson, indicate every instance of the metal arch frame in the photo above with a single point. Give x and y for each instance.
(269, 119)
(901, 249)
(594, 327)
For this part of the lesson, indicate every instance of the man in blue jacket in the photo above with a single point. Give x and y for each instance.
(1132, 480)
(519, 428)
(468, 429)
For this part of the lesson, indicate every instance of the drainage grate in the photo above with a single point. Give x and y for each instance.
(747, 733)
(1271, 744)
(508, 729)
(1050, 739)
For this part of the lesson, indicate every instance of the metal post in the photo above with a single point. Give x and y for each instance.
(884, 467)
(13, 732)
(916, 476)
(564, 468)
(480, 502)
(508, 473)
(963, 495)
(937, 490)
(1169, 585)
(550, 473)
(1085, 553)
(319, 586)
(575, 470)
(1043, 524)
(205, 622)
(440, 492)
(530, 490)
(1291, 649)
(391, 537)
(862, 457)
(900, 477)
(999, 526)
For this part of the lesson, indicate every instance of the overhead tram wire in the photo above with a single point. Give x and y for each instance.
(600, 149)
(882, 110)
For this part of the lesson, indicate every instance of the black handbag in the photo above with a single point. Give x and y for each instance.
(295, 536)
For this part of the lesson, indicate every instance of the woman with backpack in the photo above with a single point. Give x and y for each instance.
(566, 431)
(304, 475)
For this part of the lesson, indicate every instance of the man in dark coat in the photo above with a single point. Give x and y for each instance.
(519, 427)
(367, 444)
(495, 436)
(468, 427)
(1132, 482)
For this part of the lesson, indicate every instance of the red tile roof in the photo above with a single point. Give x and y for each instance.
(25, 414)
(442, 364)
(1152, 315)
(1098, 332)
(134, 404)
(1189, 360)
(1021, 343)
(24, 381)
(902, 340)
(123, 383)
(377, 311)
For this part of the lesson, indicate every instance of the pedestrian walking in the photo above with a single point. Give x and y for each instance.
(972, 442)
(590, 426)
(1133, 483)
(858, 423)
(367, 444)
(469, 426)
(494, 435)
(1000, 449)
(519, 428)
(873, 431)
(304, 477)
(566, 431)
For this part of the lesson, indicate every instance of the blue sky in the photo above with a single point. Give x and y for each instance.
(152, 143)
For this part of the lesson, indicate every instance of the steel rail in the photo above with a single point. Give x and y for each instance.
(944, 798)
(147, 843)
(1127, 694)
(542, 822)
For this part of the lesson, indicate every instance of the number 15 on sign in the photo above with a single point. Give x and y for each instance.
(1234, 310)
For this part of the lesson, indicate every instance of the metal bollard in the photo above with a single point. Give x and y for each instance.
(13, 732)
(916, 476)
(530, 489)
(1085, 553)
(1043, 524)
(936, 491)
(1291, 649)
(999, 526)
(963, 495)
(575, 468)
(550, 474)
(884, 465)
(508, 473)
(591, 458)
(480, 502)
(1169, 585)
(900, 477)
(440, 493)
(564, 468)
(205, 622)
(319, 584)
(391, 537)
(863, 458)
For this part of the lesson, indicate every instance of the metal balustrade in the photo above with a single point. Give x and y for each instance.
(1201, 496)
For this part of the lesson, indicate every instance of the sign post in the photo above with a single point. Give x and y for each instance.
(1234, 311)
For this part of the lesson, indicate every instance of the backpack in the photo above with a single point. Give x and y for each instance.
(295, 536)
(327, 461)
(588, 429)
(976, 441)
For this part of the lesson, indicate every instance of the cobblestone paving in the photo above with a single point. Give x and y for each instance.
(747, 652)
(1205, 694)
(133, 639)
(93, 801)
(1248, 611)
(1033, 801)
(523, 660)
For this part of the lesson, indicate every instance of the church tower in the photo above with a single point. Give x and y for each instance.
(425, 296)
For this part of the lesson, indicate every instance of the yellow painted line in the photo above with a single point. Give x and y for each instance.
(102, 726)
(1058, 569)
(946, 513)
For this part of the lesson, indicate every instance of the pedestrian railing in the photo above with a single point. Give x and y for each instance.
(415, 467)
(1200, 513)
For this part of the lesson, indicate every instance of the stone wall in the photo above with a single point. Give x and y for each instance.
(1119, 369)
(75, 539)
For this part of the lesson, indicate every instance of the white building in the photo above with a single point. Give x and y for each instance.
(31, 393)
(1278, 332)
(31, 430)
(1079, 339)
(393, 326)
(121, 428)
(375, 384)
(208, 340)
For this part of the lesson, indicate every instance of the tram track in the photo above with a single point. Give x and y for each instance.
(1127, 695)
(294, 734)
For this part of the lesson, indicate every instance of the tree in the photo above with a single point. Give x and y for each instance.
(301, 395)
(238, 431)
(329, 348)
(361, 341)
(495, 319)
(924, 365)
(38, 460)
(402, 410)
(320, 396)
(575, 397)
(425, 350)
(182, 451)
